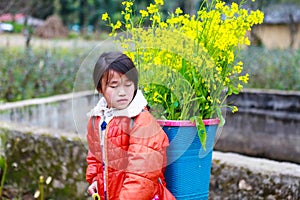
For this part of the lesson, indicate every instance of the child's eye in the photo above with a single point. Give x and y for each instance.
(113, 84)
(128, 83)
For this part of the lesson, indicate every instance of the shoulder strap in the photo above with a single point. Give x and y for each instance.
(93, 121)
(132, 122)
(133, 118)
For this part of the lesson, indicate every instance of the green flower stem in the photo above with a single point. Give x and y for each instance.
(41, 187)
(3, 178)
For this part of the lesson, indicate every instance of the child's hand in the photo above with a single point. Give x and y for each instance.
(92, 188)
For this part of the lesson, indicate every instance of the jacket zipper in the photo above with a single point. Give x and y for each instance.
(106, 196)
(104, 156)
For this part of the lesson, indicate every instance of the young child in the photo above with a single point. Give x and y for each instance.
(127, 147)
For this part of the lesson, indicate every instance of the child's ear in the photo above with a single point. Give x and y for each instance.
(97, 91)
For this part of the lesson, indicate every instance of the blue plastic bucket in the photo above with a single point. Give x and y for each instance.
(188, 171)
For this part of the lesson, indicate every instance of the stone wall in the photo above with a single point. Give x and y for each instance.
(33, 152)
(239, 177)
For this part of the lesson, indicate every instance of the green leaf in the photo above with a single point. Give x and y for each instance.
(176, 104)
(235, 90)
(229, 92)
(220, 116)
(201, 130)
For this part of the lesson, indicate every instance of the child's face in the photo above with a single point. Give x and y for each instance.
(118, 91)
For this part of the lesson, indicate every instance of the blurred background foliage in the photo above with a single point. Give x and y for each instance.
(272, 69)
(50, 71)
(45, 71)
(85, 14)
(38, 72)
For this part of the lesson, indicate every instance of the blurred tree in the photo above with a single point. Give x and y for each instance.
(88, 12)
(5, 6)
(67, 10)
(83, 15)
(35, 8)
(260, 4)
(95, 15)
(283, 1)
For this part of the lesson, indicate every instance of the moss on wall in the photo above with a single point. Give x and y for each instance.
(30, 155)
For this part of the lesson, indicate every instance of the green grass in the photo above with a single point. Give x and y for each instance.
(272, 69)
(47, 71)
(38, 73)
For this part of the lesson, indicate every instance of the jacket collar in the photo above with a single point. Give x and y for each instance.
(133, 109)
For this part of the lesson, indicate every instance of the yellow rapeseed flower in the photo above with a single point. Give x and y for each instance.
(146, 89)
(128, 26)
(127, 3)
(219, 5)
(238, 69)
(209, 99)
(234, 7)
(156, 18)
(244, 78)
(152, 8)
(163, 25)
(127, 17)
(201, 49)
(206, 106)
(159, 2)
(105, 16)
(157, 60)
(144, 13)
(118, 25)
(234, 109)
(178, 11)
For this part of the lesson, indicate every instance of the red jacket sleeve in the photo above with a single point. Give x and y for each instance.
(92, 168)
(93, 160)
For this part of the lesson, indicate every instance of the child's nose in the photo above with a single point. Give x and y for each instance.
(122, 91)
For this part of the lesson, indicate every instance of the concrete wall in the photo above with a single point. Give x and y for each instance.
(267, 125)
(67, 112)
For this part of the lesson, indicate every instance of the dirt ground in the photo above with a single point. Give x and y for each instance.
(8, 40)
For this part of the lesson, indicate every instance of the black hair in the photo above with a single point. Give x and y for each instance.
(118, 62)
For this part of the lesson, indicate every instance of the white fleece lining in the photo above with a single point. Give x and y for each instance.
(133, 109)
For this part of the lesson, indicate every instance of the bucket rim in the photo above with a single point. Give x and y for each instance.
(207, 122)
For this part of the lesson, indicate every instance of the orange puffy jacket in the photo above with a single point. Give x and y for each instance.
(134, 160)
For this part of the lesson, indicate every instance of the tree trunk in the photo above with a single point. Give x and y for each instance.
(83, 15)
(27, 32)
